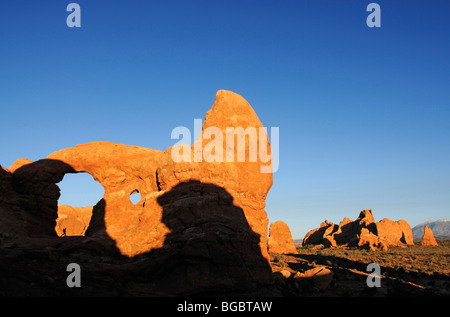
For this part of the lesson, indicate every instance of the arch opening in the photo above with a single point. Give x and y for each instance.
(79, 194)
(135, 197)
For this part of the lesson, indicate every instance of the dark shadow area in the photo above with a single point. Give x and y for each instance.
(210, 250)
(347, 234)
(36, 185)
(316, 237)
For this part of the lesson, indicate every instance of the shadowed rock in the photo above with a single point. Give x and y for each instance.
(243, 180)
(199, 227)
(72, 221)
(211, 246)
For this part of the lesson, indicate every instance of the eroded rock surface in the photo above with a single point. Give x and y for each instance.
(72, 221)
(280, 239)
(200, 226)
(243, 180)
(122, 170)
(428, 237)
(362, 232)
(395, 233)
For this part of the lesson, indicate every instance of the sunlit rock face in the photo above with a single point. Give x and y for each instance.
(240, 166)
(199, 226)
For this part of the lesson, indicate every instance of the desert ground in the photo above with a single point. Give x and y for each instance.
(405, 271)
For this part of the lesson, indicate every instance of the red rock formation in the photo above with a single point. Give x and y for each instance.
(199, 227)
(343, 233)
(360, 232)
(395, 233)
(19, 163)
(280, 239)
(363, 232)
(72, 221)
(243, 180)
(320, 276)
(124, 169)
(428, 237)
(368, 240)
(352, 233)
(321, 235)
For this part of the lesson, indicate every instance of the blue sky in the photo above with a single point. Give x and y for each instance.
(363, 113)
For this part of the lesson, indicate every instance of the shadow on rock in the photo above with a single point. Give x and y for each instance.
(210, 249)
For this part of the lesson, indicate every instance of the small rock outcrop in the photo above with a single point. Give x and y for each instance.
(321, 277)
(428, 237)
(363, 232)
(395, 233)
(280, 239)
(18, 164)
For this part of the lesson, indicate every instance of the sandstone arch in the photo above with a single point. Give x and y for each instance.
(79, 194)
(120, 169)
(124, 169)
(200, 222)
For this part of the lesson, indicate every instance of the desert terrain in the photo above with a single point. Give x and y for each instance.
(413, 270)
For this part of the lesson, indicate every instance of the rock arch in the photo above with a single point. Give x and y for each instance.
(79, 194)
(120, 169)
(124, 169)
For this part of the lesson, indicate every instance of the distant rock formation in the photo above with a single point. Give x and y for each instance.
(363, 232)
(280, 239)
(428, 237)
(72, 221)
(320, 276)
(394, 233)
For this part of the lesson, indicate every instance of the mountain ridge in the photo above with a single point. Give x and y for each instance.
(440, 228)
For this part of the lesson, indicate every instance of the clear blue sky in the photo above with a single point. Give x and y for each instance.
(364, 113)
